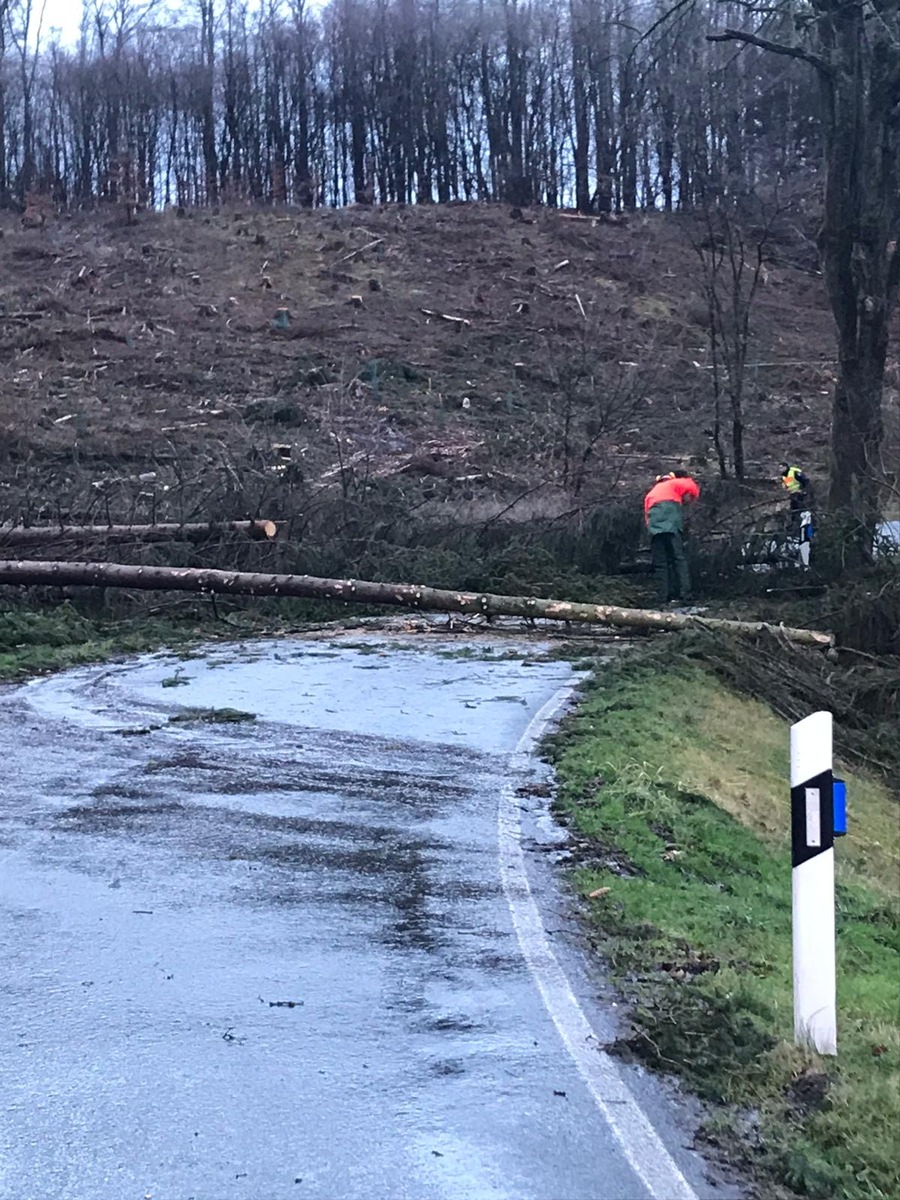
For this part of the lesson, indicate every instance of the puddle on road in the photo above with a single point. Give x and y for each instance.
(368, 780)
(418, 690)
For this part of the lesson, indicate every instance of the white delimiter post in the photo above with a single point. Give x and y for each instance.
(812, 852)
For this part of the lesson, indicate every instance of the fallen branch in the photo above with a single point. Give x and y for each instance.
(359, 250)
(38, 535)
(430, 312)
(358, 591)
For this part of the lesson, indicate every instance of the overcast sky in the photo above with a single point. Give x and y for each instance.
(64, 15)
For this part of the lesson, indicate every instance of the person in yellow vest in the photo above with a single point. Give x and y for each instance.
(796, 483)
(800, 522)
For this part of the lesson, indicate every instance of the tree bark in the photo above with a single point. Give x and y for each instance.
(856, 55)
(862, 143)
(358, 591)
(206, 83)
(580, 109)
(37, 535)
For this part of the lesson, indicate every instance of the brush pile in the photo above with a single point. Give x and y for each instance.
(861, 690)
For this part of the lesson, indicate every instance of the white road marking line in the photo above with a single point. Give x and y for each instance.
(640, 1143)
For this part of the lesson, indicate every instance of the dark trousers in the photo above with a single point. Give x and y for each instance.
(670, 567)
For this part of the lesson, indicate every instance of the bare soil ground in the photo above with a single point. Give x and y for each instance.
(130, 348)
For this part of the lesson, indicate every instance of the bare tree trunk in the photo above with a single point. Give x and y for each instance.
(717, 392)
(731, 280)
(207, 114)
(855, 51)
(358, 591)
(862, 143)
(37, 535)
(580, 110)
(629, 103)
(4, 11)
(856, 436)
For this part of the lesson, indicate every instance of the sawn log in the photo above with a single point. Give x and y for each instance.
(41, 535)
(358, 591)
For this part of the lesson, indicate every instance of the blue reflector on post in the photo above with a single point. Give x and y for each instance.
(840, 808)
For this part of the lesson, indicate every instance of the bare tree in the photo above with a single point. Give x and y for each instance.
(25, 23)
(5, 6)
(853, 46)
(732, 249)
(206, 69)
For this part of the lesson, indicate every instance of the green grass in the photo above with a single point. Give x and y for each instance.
(40, 640)
(675, 791)
(212, 716)
(176, 680)
(36, 641)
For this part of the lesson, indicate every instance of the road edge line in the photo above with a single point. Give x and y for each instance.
(641, 1145)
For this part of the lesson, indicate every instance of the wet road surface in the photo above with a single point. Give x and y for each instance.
(284, 959)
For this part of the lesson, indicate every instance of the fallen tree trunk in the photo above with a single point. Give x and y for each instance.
(40, 535)
(357, 591)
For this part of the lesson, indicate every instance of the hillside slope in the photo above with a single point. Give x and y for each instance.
(159, 349)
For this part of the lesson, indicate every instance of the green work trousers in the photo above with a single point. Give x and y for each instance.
(670, 567)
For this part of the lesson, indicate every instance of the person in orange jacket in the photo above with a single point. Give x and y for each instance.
(664, 518)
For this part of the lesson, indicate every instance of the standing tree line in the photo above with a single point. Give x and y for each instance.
(601, 103)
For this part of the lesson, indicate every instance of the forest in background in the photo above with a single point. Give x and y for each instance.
(611, 104)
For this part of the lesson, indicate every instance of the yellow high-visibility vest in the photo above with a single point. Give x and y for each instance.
(790, 481)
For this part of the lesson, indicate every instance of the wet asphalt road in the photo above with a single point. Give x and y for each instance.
(276, 961)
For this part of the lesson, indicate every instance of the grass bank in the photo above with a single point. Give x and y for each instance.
(35, 641)
(39, 639)
(674, 788)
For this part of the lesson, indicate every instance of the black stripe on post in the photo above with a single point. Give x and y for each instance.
(812, 818)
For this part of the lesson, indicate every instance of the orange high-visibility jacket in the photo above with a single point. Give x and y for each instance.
(670, 493)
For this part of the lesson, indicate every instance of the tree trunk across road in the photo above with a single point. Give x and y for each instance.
(358, 591)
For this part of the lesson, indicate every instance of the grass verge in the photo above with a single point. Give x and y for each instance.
(44, 638)
(34, 641)
(674, 788)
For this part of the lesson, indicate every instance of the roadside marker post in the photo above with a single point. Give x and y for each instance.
(812, 882)
(806, 537)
